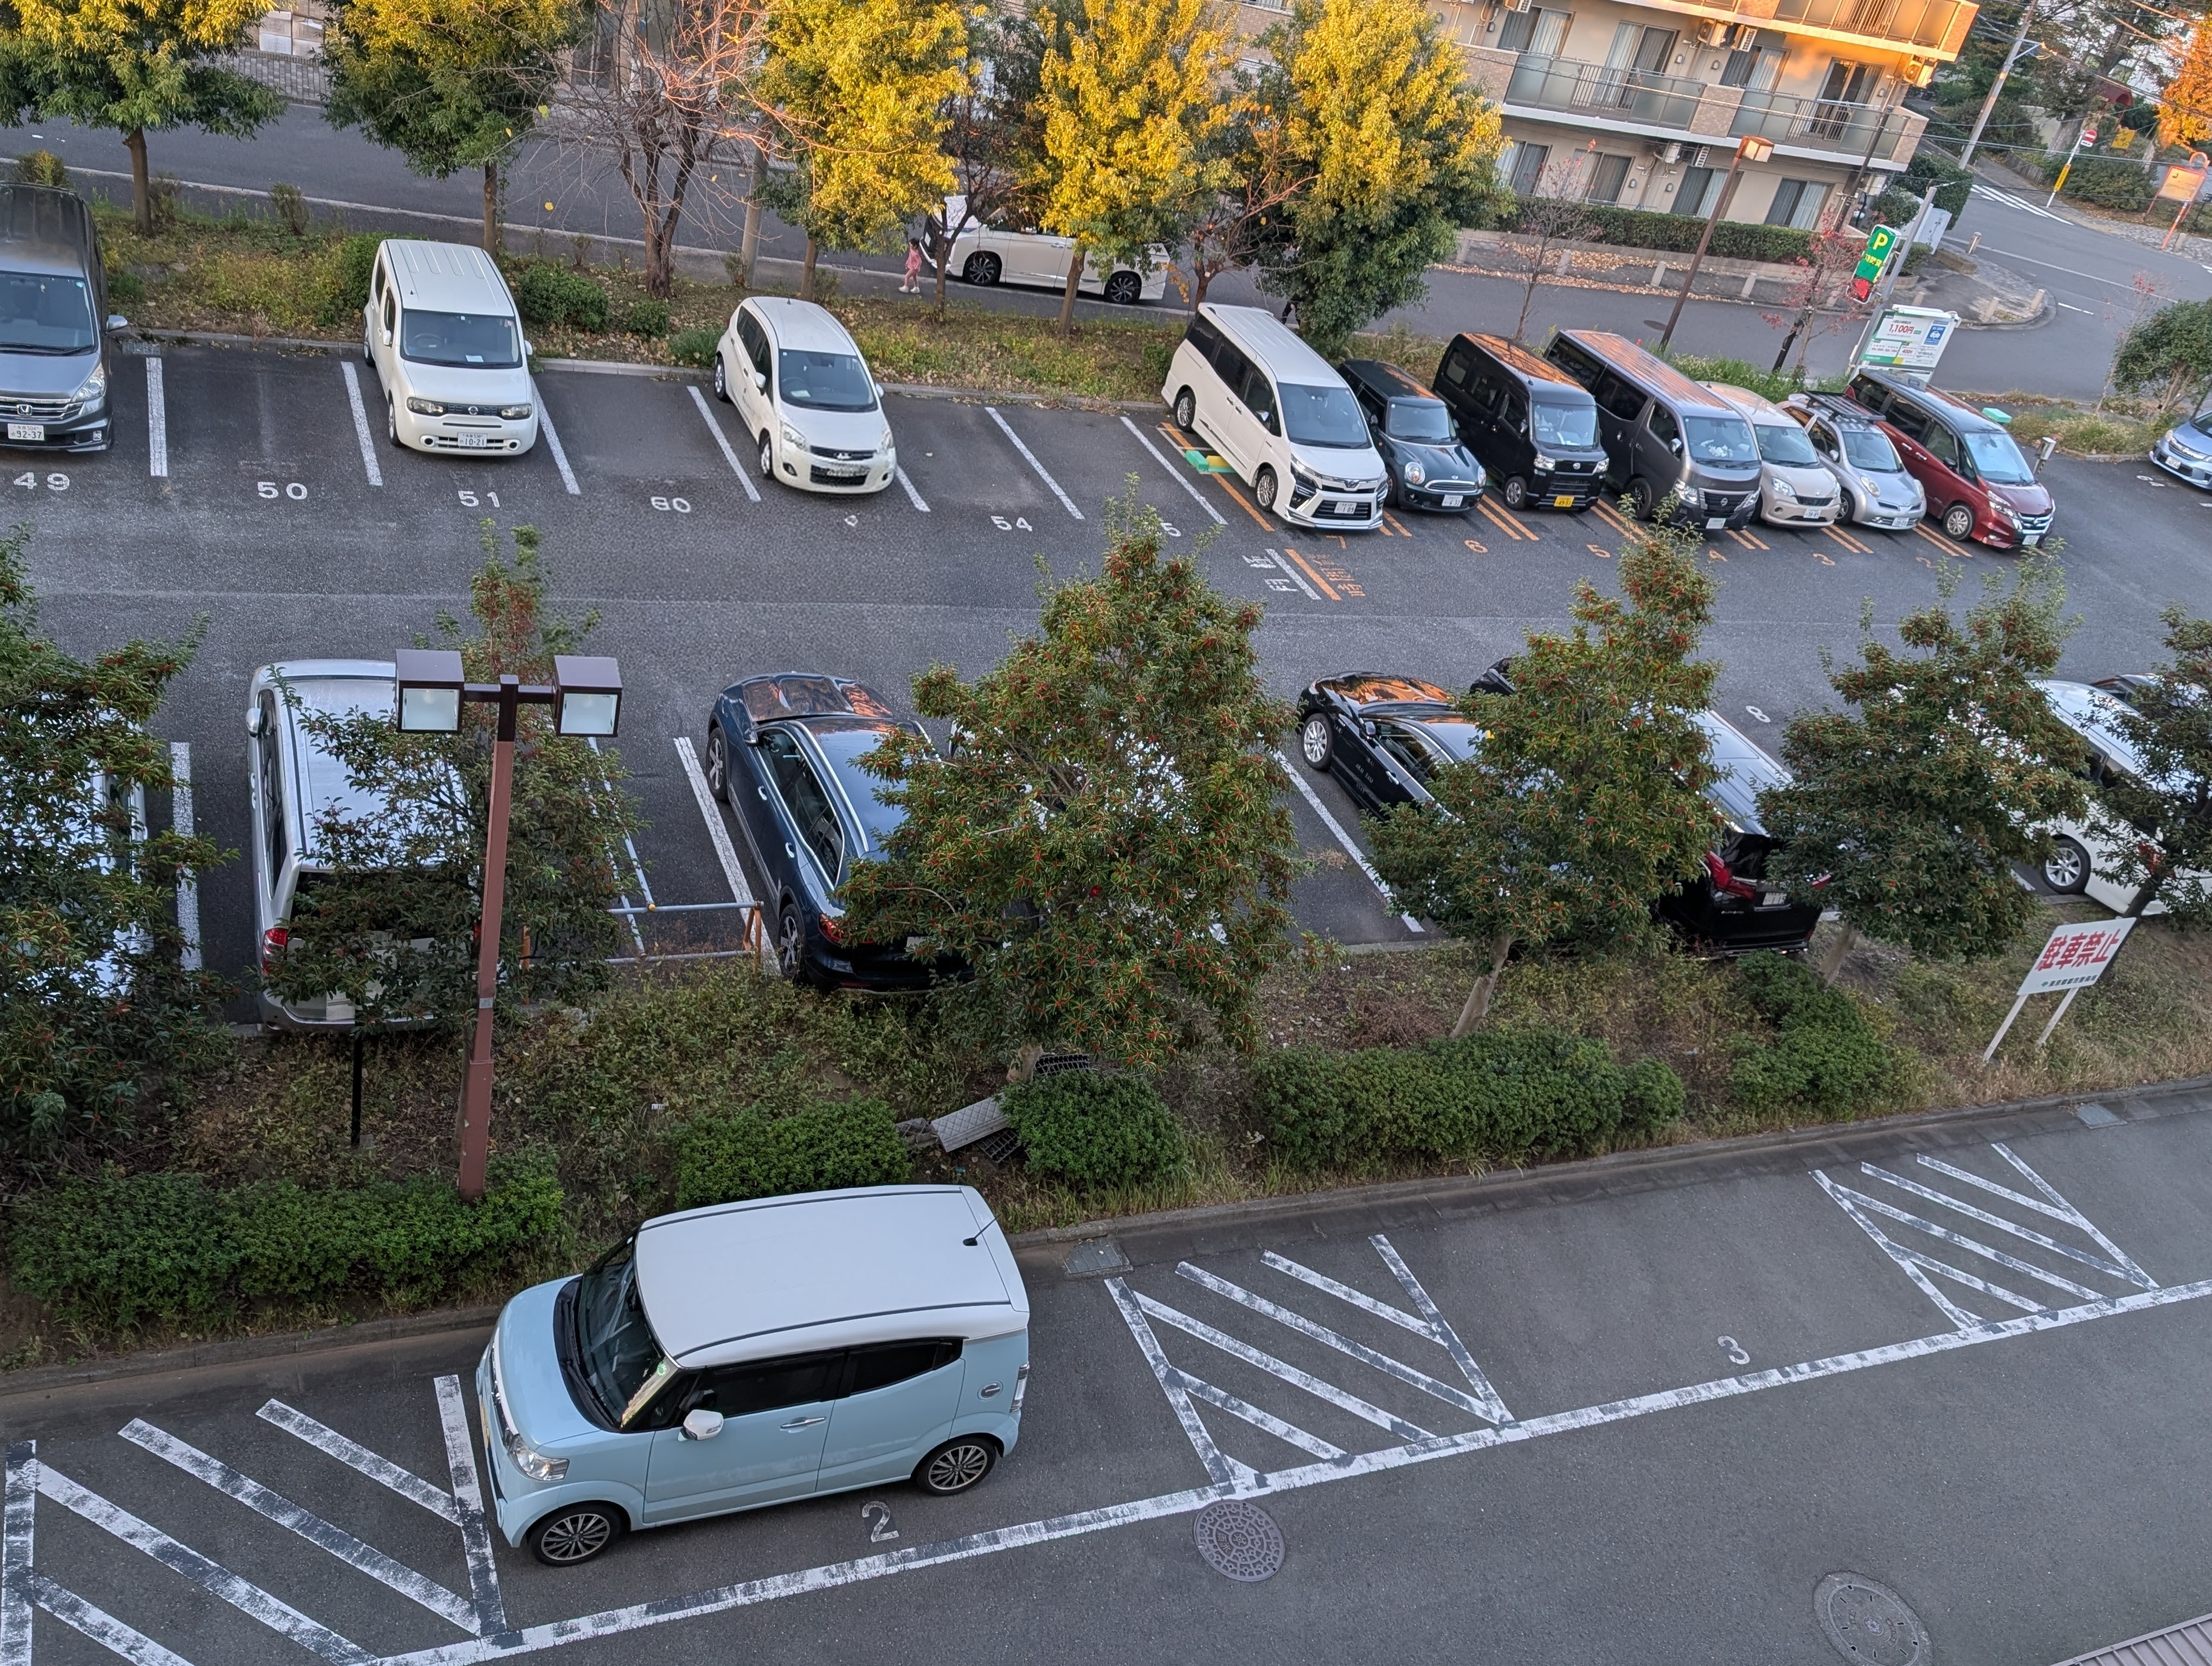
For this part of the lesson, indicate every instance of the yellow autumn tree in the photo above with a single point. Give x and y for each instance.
(1131, 93)
(2184, 117)
(859, 91)
(134, 66)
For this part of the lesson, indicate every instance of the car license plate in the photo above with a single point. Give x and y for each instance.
(26, 430)
(913, 948)
(1714, 523)
(1564, 501)
(2032, 540)
(1772, 899)
(1453, 500)
(472, 441)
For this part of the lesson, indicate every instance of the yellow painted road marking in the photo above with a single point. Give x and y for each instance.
(1612, 517)
(1944, 543)
(1326, 589)
(1848, 540)
(1497, 519)
(1747, 540)
(1175, 439)
(1479, 548)
(1714, 554)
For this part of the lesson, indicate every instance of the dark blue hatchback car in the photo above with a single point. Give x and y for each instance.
(784, 753)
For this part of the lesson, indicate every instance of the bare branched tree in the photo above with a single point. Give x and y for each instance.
(1234, 228)
(1817, 292)
(1548, 218)
(989, 137)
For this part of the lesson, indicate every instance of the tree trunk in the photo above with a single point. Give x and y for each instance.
(749, 245)
(142, 193)
(944, 258)
(491, 231)
(1023, 1069)
(1837, 950)
(807, 272)
(1478, 998)
(1068, 296)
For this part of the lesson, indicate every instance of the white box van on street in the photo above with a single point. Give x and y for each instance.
(442, 333)
(1281, 416)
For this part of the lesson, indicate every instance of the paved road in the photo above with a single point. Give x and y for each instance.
(1649, 1411)
(298, 537)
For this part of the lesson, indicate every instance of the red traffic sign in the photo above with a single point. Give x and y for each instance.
(2088, 136)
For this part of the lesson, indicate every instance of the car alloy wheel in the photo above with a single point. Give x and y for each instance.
(2066, 869)
(575, 1534)
(768, 455)
(1186, 412)
(1959, 522)
(391, 422)
(790, 943)
(1639, 498)
(1263, 489)
(721, 379)
(1315, 742)
(981, 269)
(1123, 289)
(1517, 492)
(956, 1466)
(718, 764)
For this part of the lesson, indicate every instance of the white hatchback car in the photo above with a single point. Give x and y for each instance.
(442, 334)
(810, 404)
(2081, 855)
(1795, 487)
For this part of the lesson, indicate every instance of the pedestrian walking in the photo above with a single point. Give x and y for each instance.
(913, 284)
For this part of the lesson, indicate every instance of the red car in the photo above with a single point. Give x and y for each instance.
(1980, 484)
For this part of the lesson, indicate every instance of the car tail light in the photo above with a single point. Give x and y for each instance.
(1727, 881)
(272, 941)
(832, 929)
(1021, 1390)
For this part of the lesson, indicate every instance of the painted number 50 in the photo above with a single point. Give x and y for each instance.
(291, 489)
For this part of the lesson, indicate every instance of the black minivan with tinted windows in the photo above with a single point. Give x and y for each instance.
(1533, 427)
(53, 323)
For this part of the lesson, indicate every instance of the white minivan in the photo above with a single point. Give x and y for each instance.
(443, 335)
(1279, 416)
(811, 405)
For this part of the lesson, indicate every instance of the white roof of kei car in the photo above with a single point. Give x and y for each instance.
(447, 277)
(782, 1275)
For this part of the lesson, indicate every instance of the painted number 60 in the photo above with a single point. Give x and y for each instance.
(677, 504)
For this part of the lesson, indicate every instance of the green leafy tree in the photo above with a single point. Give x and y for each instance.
(990, 141)
(98, 1015)
(1107, 845)
(1908, 813)
(2168, 357)
(136, 66)
(2159, 822)
(1401, 150)
(392, 928)
(450, 86)
(1586, 799)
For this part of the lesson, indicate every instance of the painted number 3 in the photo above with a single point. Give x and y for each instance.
(291, 489)
(1734, 1351)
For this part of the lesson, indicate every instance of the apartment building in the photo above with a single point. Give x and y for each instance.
(1639, 103)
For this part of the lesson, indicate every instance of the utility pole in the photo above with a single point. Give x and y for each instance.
(1989, 104)
(1905, 246)
(1750, 148)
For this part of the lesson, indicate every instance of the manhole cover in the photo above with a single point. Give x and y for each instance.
(1868, 1622)
(1239, 1540)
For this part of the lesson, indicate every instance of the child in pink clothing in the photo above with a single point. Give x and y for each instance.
(913, 284)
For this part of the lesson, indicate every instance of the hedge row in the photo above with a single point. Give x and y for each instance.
(1825, 1056)
(1928, 167)
(1090, 1129)
(1733, 239)
(1502, 1094)
(103, 1254)
(842, 1143)
(2110, 182)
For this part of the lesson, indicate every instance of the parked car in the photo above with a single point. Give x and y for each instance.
(1666, 439)
(813, 409)
(1006, 253)
(443, 335)
(53, 323)
(1730, 908)
(1795, 487)
(1533, 427)
(1411, 431)
(784, 753)
(2184, 450)
(2080, 855)
(1284, 420)
(1877, 491)
(1382, 736)
(1980, 485)
(747, 1354)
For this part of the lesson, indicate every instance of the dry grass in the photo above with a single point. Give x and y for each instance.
(2123, 428)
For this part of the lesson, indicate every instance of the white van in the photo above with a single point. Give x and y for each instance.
(1795, 487)
(2078, 855)
(810, 404)
(1284, 420)
(441, 332)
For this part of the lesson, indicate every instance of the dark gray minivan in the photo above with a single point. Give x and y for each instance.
(53, 323)
(1663, 434)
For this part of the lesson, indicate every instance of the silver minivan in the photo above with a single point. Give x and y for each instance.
(749, 1354)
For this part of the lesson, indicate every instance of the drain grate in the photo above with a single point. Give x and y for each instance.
(1868, 1622)
(1239, 1540)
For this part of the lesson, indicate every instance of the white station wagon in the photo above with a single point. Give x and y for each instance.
(1001, 253)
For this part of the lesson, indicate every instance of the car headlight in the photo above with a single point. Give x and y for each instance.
(1300, 477)
(515, 413)
(1871, 484)
(425, 407)
(1784, 489)
(1546, 462)
(794, 438)
(883, 445)
(93, 389)
(533, 1463)
(2006, 510)
(1690, 495)
(1414, 473)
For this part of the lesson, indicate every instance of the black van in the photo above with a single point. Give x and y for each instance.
(1670, 445)
(1533, 428)
(53, 323)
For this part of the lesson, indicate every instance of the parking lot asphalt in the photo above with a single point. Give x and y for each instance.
(247, 490)
(1637, 1417)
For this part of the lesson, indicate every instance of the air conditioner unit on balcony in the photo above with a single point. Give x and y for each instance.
(1713, 34)
(1743, 36)
(1919, 71)
(1671, 155)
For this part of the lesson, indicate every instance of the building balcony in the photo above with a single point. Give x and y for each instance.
(1934, 29)
(1592, 89)
(1829, 125)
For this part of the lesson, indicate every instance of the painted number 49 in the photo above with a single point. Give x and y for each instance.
(54, 483)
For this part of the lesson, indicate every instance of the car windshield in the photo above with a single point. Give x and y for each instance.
(1424, 421)
(825, 381)
(1998, 458)
(845, 747)
(1324, 416)
(480, 340)
(622, 1359)
(1568, 427)
(1786, 443)
(1867, 449)
(1720, 440)
(42, 312)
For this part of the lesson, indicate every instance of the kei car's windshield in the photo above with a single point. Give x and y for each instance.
(44, 313)
(1324, 416)
(1570, 427)
(1998, 458)
(1721, 440)
(1865, 448)
(1786, 444)
(475, 339)
(825, 381)
(1423, 421)
(622, 1359)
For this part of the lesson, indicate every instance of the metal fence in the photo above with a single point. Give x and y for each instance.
(1563, 83)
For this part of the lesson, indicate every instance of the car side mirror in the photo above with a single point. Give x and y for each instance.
(760, 380)
(1675, 446)
(117, 321)
(386, 335)
(1367, 728)
(751, 737)
(701, 1424)
(879, 393)
(253, 720)
(528, 351)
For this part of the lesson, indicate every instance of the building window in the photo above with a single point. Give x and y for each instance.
(1756, 65)
(1528, 162)
(1797, 203)
(1540, 31)
(1695, 194)
(1607, 177)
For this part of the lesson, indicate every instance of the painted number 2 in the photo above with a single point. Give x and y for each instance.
(291, 489)
(679, 505)
(878, 1515)
(55, 483)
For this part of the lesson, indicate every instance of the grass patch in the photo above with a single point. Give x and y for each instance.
(2121, 428)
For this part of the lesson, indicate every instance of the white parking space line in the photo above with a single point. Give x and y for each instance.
(1312, 594)
(1180, 478)
(914, 496)
(553, 440)
(263, 1501)
(157, 422)
(476, 1535)
(102, 1627)
(18, 1517)
(361, 423)
(188, 884)
(1029, 457)
(718, 833)
(379, 1468)
(728, 456)
(1350, 845)
(629, 845)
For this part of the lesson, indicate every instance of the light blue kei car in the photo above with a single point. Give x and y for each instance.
(746, 1354)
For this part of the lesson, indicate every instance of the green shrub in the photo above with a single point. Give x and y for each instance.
(1733, 239)
(127, 287)
(1826, 1055)
(844, 1142)
(647, 318)
(41, 168)
(1738, 373)
(1651, 1096)
(2107, 181)
(106, 1254)
(352, 263)
(1091, 1128)
(1896, 209)
(1929, 167)
(1299, 1094)
(693, 347)
(551, 295)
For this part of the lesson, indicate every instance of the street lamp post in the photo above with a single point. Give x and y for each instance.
(585, 695)
(1749, 149)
